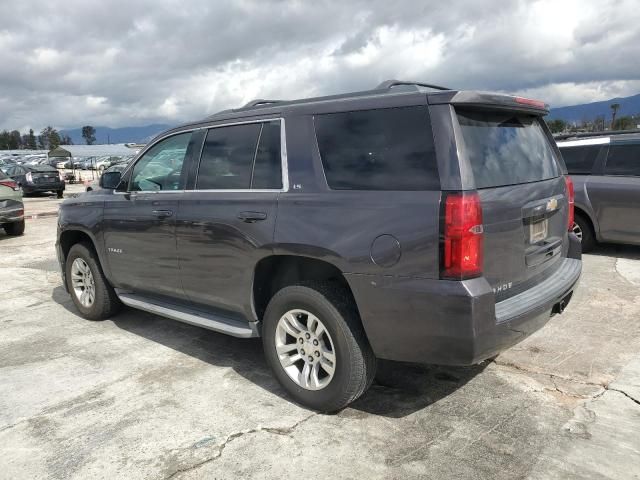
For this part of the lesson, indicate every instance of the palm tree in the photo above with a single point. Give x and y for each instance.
(614, 108)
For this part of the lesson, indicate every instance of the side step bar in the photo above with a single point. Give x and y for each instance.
(190, 316)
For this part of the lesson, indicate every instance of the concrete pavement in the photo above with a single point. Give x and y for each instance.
(140, 396)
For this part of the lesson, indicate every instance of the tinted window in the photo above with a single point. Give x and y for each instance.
(580, 160)
(267, 171)
(42, 168)
(160, 168)
(227, 157)
(623, 160)
(506, 148)
(388, 149)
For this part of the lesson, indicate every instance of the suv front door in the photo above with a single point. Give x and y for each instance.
(140, 221)
(226, 222)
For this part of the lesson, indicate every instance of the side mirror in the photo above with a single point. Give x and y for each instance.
(110, 180)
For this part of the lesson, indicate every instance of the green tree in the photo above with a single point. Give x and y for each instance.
(4, 140)
(624, 123)
(614, 111)
(15, 140)
(557, 126)
(50, 138)
(89, 134)
(65, 139)
(31, 140)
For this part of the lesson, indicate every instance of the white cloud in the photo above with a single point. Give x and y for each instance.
(125, 63)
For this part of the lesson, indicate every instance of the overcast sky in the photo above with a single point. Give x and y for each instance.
(134, 62)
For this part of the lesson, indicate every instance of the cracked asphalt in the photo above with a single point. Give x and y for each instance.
(143, 397)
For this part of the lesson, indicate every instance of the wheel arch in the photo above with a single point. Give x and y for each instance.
(584, 212)
(277, 271)
(68, 238)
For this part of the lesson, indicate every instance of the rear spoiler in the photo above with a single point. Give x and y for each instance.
(495, 101)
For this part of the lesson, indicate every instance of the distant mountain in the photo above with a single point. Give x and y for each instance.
(118, 135)
(589, 111)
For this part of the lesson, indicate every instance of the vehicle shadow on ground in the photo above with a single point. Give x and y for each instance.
(399, 389)
(629, 252)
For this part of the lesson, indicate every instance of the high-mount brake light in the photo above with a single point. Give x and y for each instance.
(462, 236)
(571, 198)
(531, 102)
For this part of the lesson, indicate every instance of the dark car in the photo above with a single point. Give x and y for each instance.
(605, 169)
(36, 178)
(408, 222)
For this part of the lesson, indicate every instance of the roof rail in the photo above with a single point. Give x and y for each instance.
(389, 84)
(606, 133)
(259, 101)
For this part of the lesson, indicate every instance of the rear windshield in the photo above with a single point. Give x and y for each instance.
(506, 148)
(42, 168)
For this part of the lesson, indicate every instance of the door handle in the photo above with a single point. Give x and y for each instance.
(162, 213)
(252, 217)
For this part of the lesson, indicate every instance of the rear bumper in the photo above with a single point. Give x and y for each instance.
(48, 187)
(455, 323)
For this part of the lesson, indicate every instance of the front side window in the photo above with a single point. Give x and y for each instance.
(160, 168)
(384, 149)
(623, 159)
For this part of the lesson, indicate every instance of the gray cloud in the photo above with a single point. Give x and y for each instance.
(134, 62)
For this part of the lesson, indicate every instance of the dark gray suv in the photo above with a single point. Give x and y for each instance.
(408, 222)
(605, 169)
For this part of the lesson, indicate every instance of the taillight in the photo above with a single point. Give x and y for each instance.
(29, 177)
(462, 236)
(571, 198)
(9, 183)
(61, 175)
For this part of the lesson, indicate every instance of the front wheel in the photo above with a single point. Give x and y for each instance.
(90, 291)
(316, 346)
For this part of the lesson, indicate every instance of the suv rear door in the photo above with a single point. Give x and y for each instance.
(519, 178)
(227, 217)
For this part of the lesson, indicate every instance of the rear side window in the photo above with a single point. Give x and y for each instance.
(384, 149)
(623, 160)
(227, 158)
(580, 160)
(506, 148)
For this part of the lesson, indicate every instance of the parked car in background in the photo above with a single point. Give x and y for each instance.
(36, 178)
(605, 169)
(11, 206)
(400, 223)
(66, 163)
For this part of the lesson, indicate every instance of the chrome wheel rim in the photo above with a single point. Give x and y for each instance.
(305, 349)
(82, 282)
(577, 230)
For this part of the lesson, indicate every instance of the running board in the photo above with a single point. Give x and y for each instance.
(209, 321)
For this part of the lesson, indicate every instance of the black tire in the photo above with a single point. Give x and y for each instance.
(106, 303)
(14, 228)
(355, 361)
(60, 193)
(588, 237)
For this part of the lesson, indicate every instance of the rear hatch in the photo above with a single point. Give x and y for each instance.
(522, 192)
(44, 175)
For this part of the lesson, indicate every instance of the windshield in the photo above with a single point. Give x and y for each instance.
(506, 148)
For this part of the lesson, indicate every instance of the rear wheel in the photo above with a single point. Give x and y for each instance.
(90, 291)
(584, 231)
(316, 346)
(14, 228)
(60, 193)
